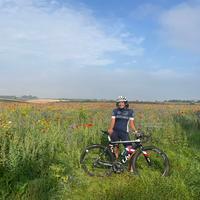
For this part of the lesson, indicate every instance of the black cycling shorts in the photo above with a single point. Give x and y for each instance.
(120, 135)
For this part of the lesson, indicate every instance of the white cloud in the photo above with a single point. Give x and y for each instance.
(38, 30)
(180, 26)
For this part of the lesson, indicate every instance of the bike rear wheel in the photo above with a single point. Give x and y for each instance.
(150, 160)
(96, 160)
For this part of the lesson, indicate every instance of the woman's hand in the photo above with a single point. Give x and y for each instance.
(110, 131)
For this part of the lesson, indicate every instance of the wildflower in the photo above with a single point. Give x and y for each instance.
(85, 125)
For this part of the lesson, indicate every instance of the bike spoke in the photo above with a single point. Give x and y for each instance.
(151, 161)
(97, 161)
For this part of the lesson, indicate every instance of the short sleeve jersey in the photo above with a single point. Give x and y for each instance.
(122, 118)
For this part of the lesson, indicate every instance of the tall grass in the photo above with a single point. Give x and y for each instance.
(40, 148)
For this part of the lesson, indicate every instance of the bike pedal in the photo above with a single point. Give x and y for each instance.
(117, 168)
(117, 171)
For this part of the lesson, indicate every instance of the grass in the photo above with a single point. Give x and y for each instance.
(40, 147)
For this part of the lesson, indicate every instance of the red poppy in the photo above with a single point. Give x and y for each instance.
(85, 125)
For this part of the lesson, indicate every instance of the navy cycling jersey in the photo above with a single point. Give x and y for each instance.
(122, 118)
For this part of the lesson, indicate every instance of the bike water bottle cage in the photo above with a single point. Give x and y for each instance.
(130, 149)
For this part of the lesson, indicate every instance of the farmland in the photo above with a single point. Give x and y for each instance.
(40, 147)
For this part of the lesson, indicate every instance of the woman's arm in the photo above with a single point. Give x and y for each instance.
(110, 130)
(132, 125)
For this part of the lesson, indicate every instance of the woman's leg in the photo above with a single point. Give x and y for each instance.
(115, 137)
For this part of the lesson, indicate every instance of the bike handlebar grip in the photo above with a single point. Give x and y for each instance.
(139, 135)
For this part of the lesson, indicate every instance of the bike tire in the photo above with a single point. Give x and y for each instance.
(96, 160)
(150, 159)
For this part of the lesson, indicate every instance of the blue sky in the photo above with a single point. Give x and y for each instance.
(142, 49)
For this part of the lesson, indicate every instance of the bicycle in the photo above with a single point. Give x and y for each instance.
(100, 160)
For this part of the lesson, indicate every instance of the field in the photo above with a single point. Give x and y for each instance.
(40, 147)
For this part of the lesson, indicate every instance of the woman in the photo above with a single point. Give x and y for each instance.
(122, 118)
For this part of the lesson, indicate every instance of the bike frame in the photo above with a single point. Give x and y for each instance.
(139, 145)
(137, 141)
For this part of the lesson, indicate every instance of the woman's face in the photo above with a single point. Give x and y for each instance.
(121, 104)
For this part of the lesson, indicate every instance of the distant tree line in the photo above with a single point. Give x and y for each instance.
(182, 101)
(133, 101)
(29, 97)
(24, 97)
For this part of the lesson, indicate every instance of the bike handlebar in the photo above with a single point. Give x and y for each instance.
(144, 137)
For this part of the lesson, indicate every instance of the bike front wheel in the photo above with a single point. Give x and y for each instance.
(150, 160)
(96, 160)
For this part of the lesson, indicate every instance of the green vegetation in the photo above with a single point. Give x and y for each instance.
(40, 146)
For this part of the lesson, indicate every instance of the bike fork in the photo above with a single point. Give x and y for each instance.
(147, 158)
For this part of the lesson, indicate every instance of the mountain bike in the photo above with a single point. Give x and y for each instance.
(100, 160)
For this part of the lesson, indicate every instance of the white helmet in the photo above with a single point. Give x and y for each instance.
(121, 99)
